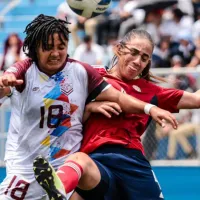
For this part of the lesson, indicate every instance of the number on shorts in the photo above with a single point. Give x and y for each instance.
(20, 187)
(51, 116)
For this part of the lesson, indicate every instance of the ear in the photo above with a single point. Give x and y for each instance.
(118, 49)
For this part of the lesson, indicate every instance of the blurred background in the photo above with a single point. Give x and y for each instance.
(175, 28)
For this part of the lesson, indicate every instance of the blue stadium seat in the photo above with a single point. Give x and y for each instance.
(19, 17)
(39, 2)
(33, 10)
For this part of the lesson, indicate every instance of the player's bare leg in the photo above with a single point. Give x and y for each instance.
(79, 170)
(75, 196)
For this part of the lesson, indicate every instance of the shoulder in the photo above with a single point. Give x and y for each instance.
(23, 65)
(100, 69)
(147, 86)
(80, 66)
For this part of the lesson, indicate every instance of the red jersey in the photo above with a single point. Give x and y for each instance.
(126, 129)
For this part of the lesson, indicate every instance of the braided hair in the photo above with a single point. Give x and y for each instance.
(38, 32)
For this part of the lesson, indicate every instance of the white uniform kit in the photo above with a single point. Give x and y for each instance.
(50, 121)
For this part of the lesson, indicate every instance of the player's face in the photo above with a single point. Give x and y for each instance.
(51, 60)
(137, 55)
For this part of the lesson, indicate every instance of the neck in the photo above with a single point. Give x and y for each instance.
(115, 74)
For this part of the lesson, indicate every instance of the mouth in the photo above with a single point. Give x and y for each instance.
(55, 61)
(133, 68)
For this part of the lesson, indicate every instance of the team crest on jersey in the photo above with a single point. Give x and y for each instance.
(66, 87)
(135, 87)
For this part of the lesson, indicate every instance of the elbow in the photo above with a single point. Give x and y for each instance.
(198, 102)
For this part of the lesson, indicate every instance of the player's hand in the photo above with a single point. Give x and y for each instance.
(9, 79)
(106, 108)
(160, 116)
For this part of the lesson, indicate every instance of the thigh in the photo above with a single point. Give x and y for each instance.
(138, 181)
(141, 187)
(107, 188)
(133, 174)
(75, 196)
(113, 190)
(19, 188)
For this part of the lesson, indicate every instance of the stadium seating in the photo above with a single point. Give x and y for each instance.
(17, 18)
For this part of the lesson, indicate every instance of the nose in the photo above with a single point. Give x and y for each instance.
(137, 59)
(54, 53)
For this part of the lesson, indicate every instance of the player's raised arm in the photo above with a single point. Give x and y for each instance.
(9, 79)
(14, 75)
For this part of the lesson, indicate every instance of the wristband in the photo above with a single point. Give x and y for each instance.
(11, 92)
(147, 108)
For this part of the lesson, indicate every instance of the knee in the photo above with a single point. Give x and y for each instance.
(82, 159)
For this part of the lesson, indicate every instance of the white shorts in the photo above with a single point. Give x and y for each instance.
(21, 186)
(17, 187)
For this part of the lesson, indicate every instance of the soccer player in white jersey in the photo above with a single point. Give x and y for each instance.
(53, 90)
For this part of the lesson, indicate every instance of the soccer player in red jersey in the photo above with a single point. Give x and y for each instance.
(115, 167)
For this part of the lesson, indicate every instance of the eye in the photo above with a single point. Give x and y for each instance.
(134, 52)
(144, 58)
(49, 47)
(61, 47)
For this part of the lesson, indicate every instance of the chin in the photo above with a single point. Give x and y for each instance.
(131, 76)
(54, 66)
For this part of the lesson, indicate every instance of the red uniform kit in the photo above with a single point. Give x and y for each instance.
(126, 129)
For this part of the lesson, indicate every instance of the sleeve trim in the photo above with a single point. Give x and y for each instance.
(100, 88)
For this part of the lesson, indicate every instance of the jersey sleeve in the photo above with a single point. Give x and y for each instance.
(100, 69)
(19, 69)
(96, 83)
(168, 98)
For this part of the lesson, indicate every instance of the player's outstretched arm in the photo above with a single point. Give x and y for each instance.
(9, 79)
(15, 74)
(189, 100)
(130, 104)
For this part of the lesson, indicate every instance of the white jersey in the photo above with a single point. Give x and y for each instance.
(3, 99)
(51, 110)
(12, 136)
